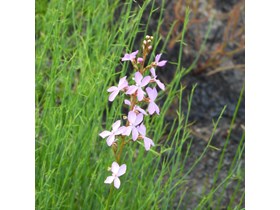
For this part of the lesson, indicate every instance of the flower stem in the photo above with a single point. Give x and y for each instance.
(109, 198)
(118, 159)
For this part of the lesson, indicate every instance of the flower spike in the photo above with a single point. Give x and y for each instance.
(140, 105)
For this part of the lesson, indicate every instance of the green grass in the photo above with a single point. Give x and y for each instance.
(78, 49)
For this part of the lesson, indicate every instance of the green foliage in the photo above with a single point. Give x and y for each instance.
(78, 49)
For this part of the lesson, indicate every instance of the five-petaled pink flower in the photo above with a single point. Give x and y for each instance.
(152, 93)
(115, 131)
(133, 120)
(117, 172)
(115, 90)
(159, 63)
(140, 82)
(130, 57)
(154, 79)
(136, 107)
(147, 141)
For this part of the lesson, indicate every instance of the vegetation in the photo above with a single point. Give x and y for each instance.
(79, 45)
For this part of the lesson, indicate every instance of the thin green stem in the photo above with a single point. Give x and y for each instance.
(109, 197)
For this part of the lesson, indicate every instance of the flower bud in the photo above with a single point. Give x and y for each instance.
(115, 147)
(139, 60)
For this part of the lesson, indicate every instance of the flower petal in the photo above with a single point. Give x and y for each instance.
(116, 125)
(145, 81)
(133, 54)
(109, 180)
(157, 58)
(127, 102)
(115, 167)
(120, 130)
(126, 57)
(131, 117)
(162, 63)
(138, 77)
(126, 131)
(111, 89)
(135, 133)
(150, 92)
(122, 83)
(117, 183)
(151, 108)
(160, 84)
(153, 72)
(139, 119)
(142, 129)
(156, 109)
(148, 143)
(131, 89)
(110, 140)
(105, 134)
(141, 110)
(154, 94)
(140, 94)
(122, 80)
(122, 170)
(113, 95)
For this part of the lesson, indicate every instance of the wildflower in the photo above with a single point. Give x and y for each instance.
(117, 172)
(147, 141)
(159, 63)
(136, 107)
(140, 82)
(115, 90)
(130, 57)
(152, 93)
(115, 131)
(133, 120)
(159, 83)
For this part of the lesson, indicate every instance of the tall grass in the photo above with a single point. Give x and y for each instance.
(78, 49)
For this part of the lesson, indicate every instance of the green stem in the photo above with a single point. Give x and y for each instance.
(109, 198)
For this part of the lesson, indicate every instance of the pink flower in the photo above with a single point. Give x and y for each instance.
(140, 82)
(152, 93)
(130, 57)
(159, 83)
(159, 63)
(133, 120)
(115, 131)
(138, 108)
(115, 90)
(147, 141)
(117, 172)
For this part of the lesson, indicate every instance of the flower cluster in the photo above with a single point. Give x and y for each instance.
(140, 96)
